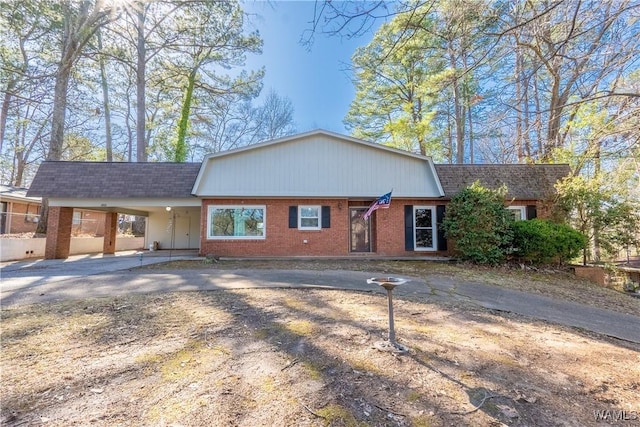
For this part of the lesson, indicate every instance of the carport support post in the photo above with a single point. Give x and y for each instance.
(110, 228)
(59, 223)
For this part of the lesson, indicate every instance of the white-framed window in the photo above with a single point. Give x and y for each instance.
(309, 217)
(424, 228)
(236, 222)
(519, 212)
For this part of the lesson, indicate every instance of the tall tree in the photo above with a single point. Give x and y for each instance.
(80, 20)
(26, 30)
(419, 67)
(231, 121)
(395, 99)
(574, 54)
(210, 38)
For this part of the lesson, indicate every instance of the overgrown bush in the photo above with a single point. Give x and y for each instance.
(478, 222)
(541, 242)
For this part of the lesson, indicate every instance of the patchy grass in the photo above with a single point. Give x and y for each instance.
(301, 357)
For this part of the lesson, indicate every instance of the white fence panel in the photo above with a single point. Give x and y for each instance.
(18, 249)
(15, 249)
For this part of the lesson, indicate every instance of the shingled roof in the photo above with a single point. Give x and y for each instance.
(175, 180)
(99, 180)
(16, 193)
(524, 182)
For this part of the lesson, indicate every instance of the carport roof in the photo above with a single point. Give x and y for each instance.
(114, 180)
(524, 182)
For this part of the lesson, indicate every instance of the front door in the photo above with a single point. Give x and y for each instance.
(360, 231)
(182, 237)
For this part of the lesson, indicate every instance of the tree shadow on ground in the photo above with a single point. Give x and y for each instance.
(288, 357)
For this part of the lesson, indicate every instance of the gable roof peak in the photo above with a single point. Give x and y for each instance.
(310, 134)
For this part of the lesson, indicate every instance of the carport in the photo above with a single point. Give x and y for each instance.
(161, 192)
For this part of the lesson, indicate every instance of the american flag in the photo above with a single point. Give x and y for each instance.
(382, 202)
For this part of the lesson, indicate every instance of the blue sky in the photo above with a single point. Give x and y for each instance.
(315, 79)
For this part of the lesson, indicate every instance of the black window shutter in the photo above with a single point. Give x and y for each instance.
(326, 217)
(408, 227)
(293, 217)
(442, 241)
(532, 212)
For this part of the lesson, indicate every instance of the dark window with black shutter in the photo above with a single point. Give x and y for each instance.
(408, 228)
(293, 217)
(326, 217)
(442, 241)
(532, 212)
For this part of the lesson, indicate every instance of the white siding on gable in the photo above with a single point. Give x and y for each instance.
(318, 165)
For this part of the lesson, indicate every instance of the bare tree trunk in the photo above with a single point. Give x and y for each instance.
(4, 112)
(19, 174)
(18, 154)
(469, 102)
(555, 112)
(526, 138)
(105, 100)
(449, 138)
(141, 143)
(596, 230)
(458, 109)
(538, 117)
(519, 101)
(129, 135)
(59, 112)
(471, 154)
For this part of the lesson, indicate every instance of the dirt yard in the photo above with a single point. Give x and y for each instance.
(307, 358)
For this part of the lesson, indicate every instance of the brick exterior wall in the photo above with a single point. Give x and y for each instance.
(387, 231)
(19, 217)
(58, 232)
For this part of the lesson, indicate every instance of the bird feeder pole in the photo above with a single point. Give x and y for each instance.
(389, 283)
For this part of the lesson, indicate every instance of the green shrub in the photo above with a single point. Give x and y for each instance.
(478, 222)
(541, 242)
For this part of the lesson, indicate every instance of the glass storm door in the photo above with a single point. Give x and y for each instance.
(360, 231)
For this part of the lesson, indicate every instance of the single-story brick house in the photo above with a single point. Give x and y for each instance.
(18, 213)
(301, 195)
(21, 214)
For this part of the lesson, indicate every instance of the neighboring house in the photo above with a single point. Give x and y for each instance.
(18, 213)
(21, 214)
(302, 195)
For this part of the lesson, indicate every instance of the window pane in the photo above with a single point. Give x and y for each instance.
(309, 222)
(309, 212)
(424, 238)
(222, 222)
(517, 213)
(237, 222)
(423, 218)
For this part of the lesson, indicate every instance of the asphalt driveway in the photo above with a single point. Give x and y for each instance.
(98, 276)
